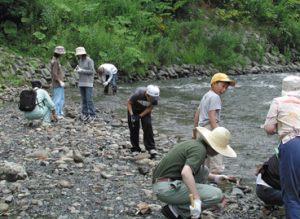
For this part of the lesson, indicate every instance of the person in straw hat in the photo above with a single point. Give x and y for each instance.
(283, 119)
(182, 172)
(86, 71)
(58, 84)
(208, 114)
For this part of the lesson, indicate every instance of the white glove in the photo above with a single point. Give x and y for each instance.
(105, 83)
(220, 178)
(78, 68)
(196, 210)
(62, 84)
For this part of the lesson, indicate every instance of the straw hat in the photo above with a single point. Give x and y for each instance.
(222, 77)
(80, 51)
(59, 50)
(291, 86)
(218, 139)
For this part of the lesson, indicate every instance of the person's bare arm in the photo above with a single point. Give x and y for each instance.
(189, 181)
(196, 122)
(146, 111)
(129, 107)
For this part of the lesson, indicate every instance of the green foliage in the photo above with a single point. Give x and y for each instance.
(13, 81)
(39, 36)
(10, 28)
(134, 34)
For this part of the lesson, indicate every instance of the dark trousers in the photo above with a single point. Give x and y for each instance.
(134, 129)
(113, 84)
(269, 195)
(290, 177)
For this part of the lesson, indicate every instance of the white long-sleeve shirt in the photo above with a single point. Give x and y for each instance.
(110, 70)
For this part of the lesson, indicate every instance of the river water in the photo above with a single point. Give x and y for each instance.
(244, 109)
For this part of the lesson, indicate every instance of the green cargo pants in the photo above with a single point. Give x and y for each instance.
(177, 194)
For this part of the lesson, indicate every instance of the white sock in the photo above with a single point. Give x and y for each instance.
(173, 209)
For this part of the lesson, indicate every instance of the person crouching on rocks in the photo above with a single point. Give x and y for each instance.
(182, 173)
(44, 108)
(140, 105)
(268, 187)
(108, 73)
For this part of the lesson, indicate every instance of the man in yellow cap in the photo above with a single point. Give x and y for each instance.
(209, 112)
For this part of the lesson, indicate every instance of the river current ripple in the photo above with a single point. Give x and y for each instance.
(244, 109)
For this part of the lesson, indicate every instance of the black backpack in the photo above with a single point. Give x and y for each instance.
(27, 100)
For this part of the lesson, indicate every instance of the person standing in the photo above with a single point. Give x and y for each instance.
(44, 108)
(108, 73)
(268, 187)
(58, 84)
(283, 119)
(209, 112)
(140, 105)
(182, 172)
(86, 71)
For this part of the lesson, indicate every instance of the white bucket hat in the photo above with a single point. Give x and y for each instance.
(218, 139)
(291, 86)
(59, 50)
(80, 51)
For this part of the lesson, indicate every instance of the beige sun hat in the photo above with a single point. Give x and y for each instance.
(291, 86)
(59, 50)
(218, 139)
(80, 51)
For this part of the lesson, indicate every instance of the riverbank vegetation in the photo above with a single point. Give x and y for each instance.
(137, 34)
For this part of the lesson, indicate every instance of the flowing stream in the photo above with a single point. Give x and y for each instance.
(244, 110)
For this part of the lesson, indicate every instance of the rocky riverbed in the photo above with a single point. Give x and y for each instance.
(86, 170)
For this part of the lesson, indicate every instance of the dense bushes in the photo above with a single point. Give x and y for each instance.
(135, 34)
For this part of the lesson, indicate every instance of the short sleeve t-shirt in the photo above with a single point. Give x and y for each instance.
(139, 100)
(210, 101)
(192, 153)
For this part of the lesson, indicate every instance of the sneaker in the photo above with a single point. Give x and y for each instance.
(60, 117)
(91, 118)
(153, 153)
(166, 211)
(83, 117)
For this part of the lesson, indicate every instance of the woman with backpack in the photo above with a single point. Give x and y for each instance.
(44, 107)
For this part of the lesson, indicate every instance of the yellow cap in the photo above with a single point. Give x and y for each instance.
(222, 77)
